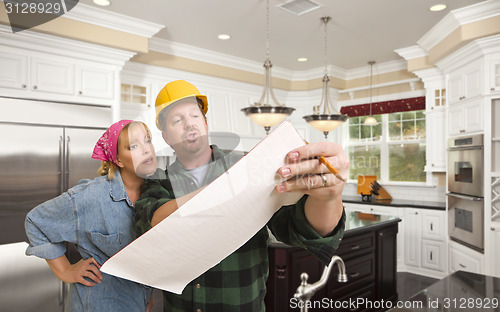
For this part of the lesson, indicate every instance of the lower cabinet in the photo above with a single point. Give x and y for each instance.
(369, 256)
(465, 259)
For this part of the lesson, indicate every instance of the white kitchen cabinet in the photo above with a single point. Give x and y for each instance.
(465, 83)
(433, 224)
(495, 256)
(36, 74)
(51, 75)
(493, 67)
(436, 141)
(14, 73)
(412, 237)
(465, 118)
(465, 259)
(95, 82)
(433, 240)
(433, 255)
(55, 78)
(425, 241)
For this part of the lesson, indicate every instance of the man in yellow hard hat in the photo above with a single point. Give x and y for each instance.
(238, 282)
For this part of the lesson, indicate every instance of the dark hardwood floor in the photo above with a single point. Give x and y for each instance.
(408, 284)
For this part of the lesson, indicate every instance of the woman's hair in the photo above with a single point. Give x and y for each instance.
(107, 167)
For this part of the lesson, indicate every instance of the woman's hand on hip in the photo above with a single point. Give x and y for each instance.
(85, 272)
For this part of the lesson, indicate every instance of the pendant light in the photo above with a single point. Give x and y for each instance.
(371, 121)
(325, 118)
(263, 113)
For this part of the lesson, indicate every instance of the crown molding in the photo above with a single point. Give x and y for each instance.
(381, 68)
(39, 42)
(161, 75)
(212, 57)
(383, 98)
(457, 18)
(412, 52)
(381, 85)
(96, 16)
(469, 53)
(221, 59)
(431, 76)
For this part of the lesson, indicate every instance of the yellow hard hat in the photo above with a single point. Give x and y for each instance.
(174, 91)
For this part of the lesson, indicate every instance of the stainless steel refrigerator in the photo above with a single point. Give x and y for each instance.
(38, 162)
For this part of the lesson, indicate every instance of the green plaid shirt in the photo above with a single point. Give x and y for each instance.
(237, 283)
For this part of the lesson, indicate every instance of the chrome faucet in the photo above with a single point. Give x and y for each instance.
(305, 291)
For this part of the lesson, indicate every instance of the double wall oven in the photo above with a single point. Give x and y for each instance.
(466, 191)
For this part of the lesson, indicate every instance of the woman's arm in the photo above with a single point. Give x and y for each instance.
(76, 273)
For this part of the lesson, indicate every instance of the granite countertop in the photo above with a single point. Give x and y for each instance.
(460, 291)
(396, 203)
(355, 222)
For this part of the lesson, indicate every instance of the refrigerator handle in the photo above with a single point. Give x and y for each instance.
(66, 164)
(61, 164)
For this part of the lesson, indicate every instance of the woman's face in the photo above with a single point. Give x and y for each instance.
(136, 152)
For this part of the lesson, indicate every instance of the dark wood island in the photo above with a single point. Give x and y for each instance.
(369, 253)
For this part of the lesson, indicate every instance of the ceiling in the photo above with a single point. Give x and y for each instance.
(359, 30)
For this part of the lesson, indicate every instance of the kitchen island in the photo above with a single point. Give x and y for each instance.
(368, 249)
(460, 291)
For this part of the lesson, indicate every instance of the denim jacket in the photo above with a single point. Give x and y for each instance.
(97, 216)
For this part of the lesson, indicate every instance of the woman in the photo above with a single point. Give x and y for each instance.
(96, 215)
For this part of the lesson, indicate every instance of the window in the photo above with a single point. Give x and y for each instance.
(393, 150)
(131, 93)
(440, 97)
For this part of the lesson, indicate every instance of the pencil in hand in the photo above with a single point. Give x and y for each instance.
(330, 167)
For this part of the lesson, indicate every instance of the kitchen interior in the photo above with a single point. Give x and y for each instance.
(413, 96)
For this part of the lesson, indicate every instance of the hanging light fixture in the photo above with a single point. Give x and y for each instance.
(371, 121)
(325, 118)
(263, 113)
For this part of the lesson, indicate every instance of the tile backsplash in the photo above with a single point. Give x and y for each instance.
(423, 193)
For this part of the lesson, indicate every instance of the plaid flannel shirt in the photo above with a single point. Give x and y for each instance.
(237, 283)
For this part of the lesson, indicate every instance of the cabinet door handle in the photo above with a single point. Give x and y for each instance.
(492, 89)
(355, 247)
(462, 130)
(431, 255)
(280, 272)
(354, 275)
(463, 266)
(35, 87)
(80, 92)
(432, 228)
(23, 86)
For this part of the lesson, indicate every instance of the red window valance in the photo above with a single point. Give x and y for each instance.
(396, 106)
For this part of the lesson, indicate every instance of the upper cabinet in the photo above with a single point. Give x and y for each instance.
(92, 81)
(465, 83)
(48, 68)
(466, 117)
(49, 77)
(493, 69)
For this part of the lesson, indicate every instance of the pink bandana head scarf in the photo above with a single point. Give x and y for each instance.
(107, 146)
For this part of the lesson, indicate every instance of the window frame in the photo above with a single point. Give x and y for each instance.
(384, 144)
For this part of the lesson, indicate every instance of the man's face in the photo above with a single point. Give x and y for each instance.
(185, 128)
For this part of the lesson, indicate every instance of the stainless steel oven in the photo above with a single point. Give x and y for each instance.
(466, 191)
(466, 220)
(465, 165)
